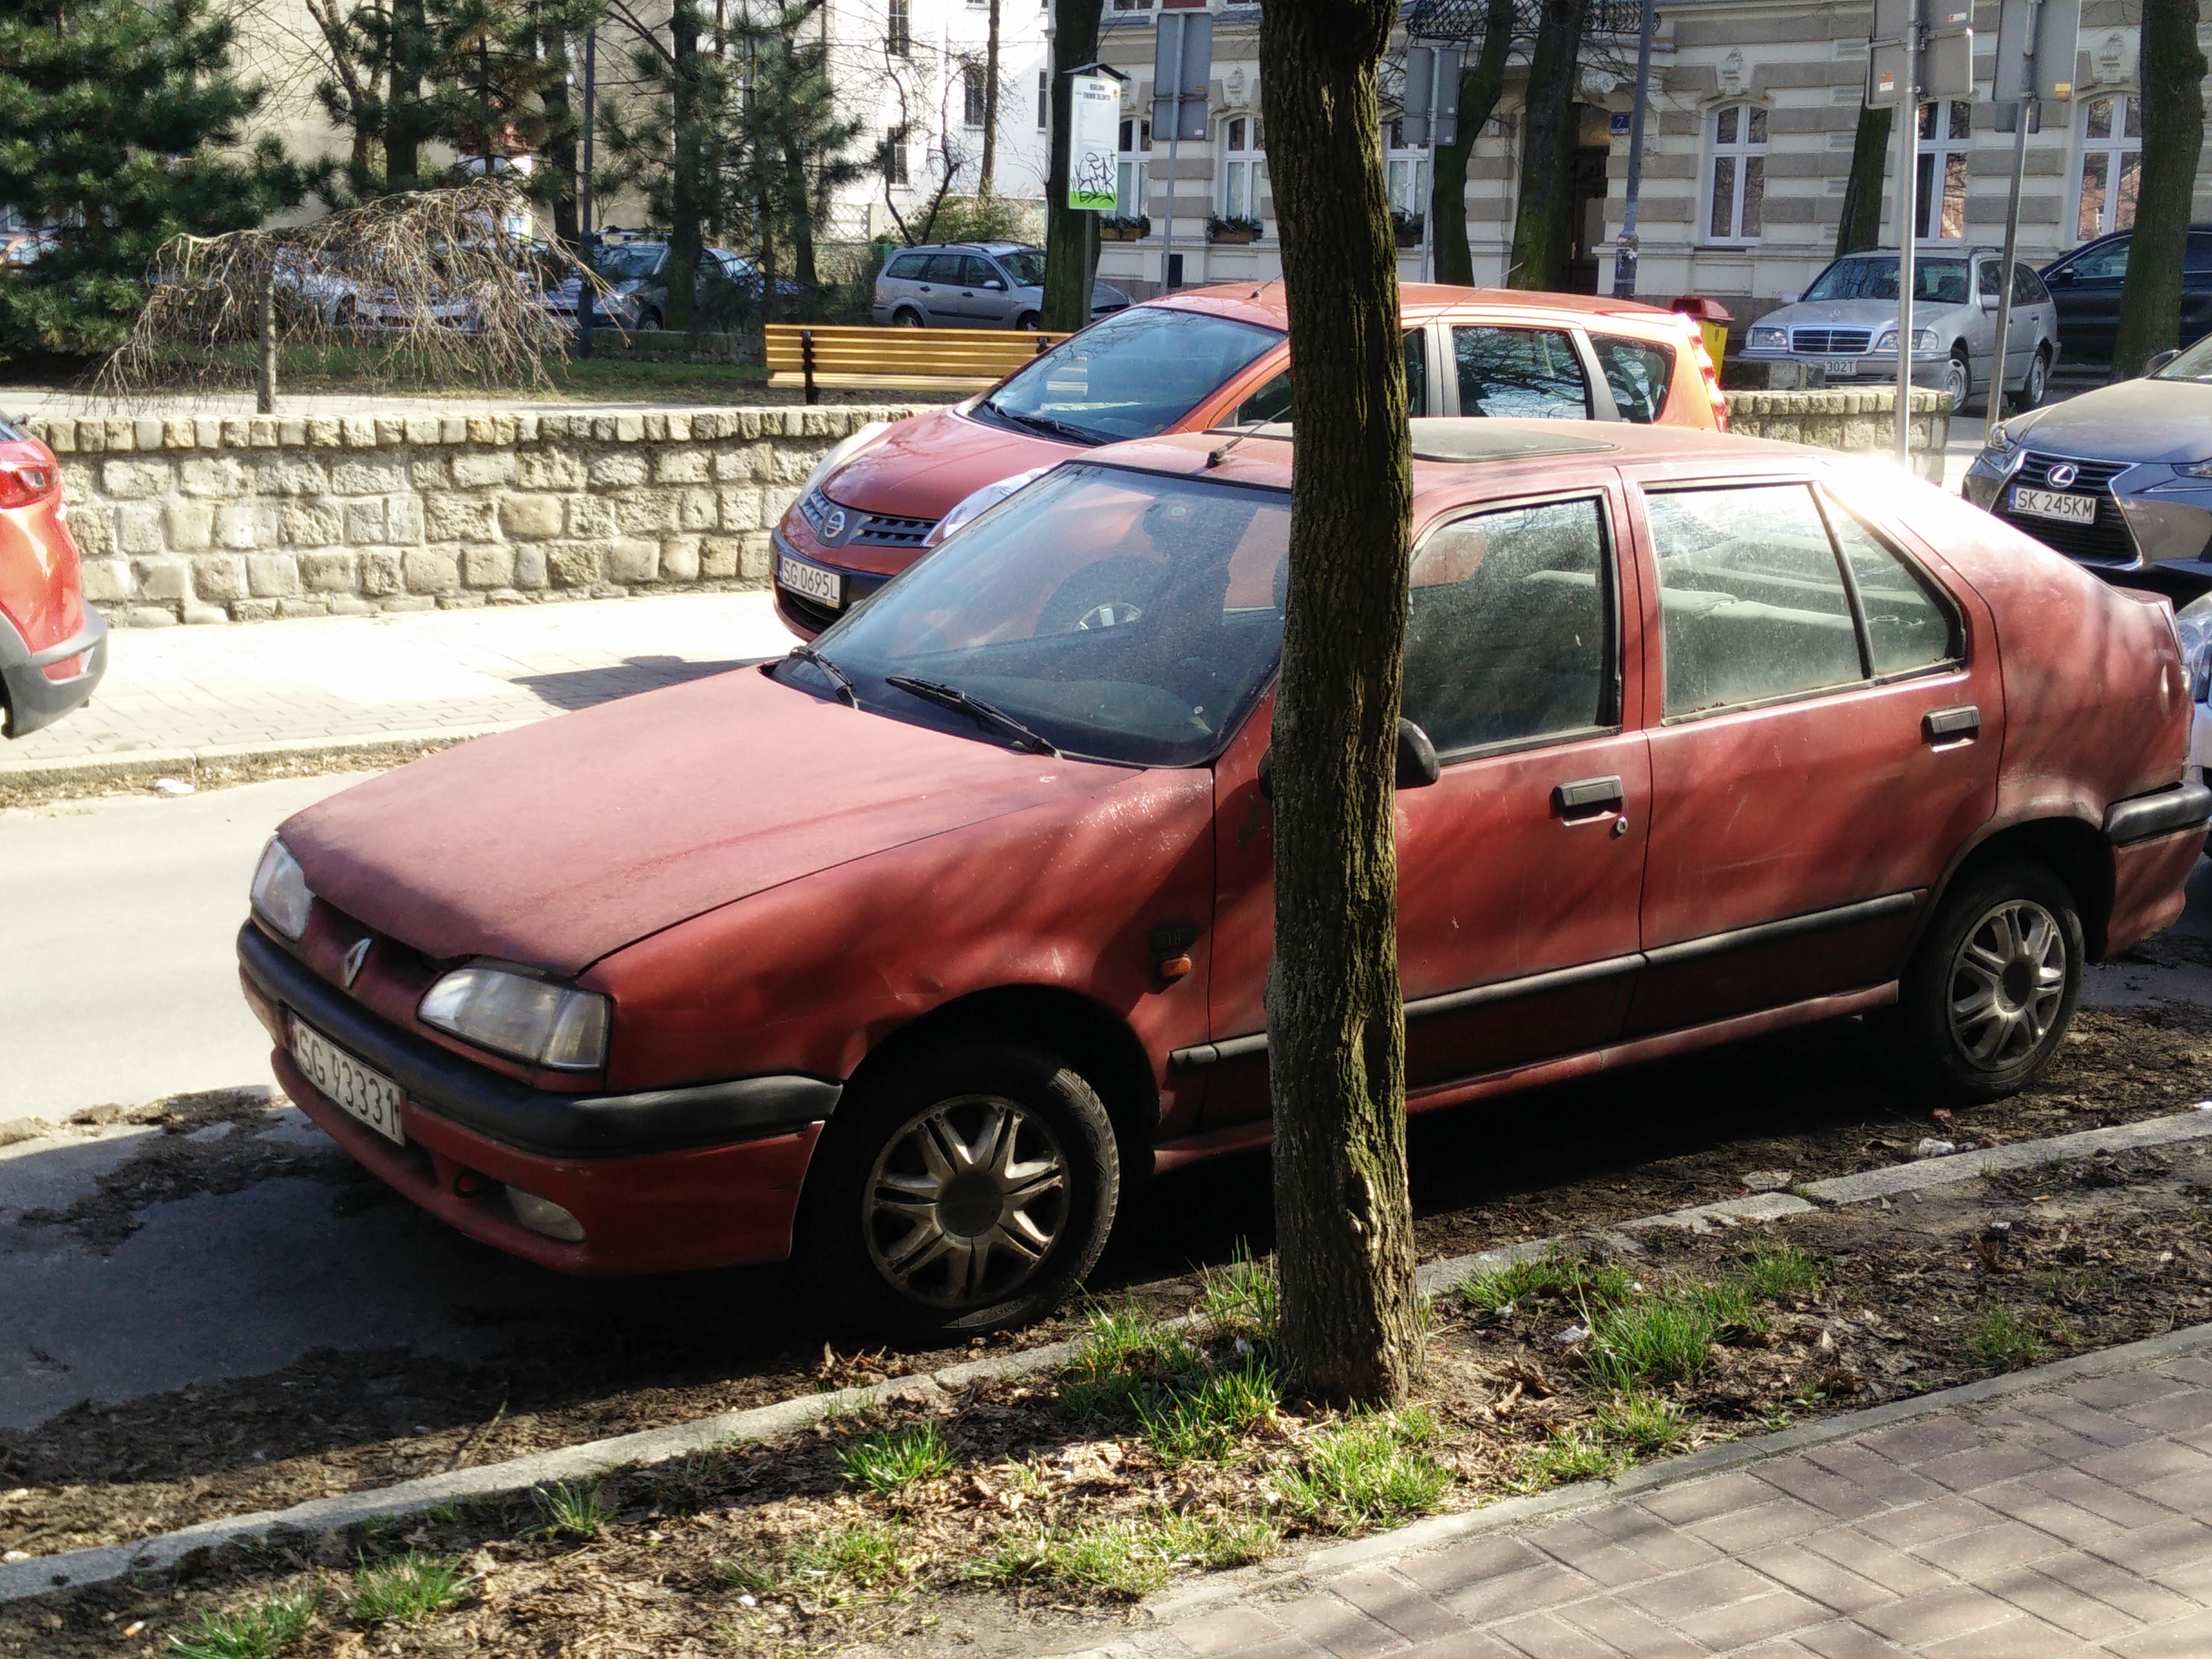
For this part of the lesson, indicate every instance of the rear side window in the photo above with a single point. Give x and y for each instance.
(2199, 255)
(2027, 288)
(1272, 402)
(1506, 634)
(946, 268)
(1907, 626)
(1640, 372)
(908, 267)
(1527, 372)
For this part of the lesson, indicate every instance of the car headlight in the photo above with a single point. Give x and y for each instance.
(513, 1013)
(975, 503)
(1999, 441)
(1769, 339)
(1924, 340)
(2193, 622)
(2196, 470)
(841, 452)
(281, 896)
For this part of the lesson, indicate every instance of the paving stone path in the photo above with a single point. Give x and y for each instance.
(2068, 1521)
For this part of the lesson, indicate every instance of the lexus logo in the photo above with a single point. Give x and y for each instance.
(354, 959)
(834, 525)
(2063, 475)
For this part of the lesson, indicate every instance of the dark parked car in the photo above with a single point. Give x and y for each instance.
(2085, 286)
(53, 646)
(906, 955)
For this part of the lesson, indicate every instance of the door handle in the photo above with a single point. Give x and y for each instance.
(1588, 798)
(1939, 726)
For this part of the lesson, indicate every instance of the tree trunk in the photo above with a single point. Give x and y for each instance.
(1481, 81)
(560, 146)
(988, 183)
(802, 216)
(407, 123)
(1066, 236)
(1336, 1020)
(1861, 225)
(688, 179)
(1540, 227)
(2171, 71)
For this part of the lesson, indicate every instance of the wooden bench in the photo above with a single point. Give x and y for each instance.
(818, 355)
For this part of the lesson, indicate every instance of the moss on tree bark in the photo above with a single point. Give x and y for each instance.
(1481, 79)
(1541, 227)
(2171, 71)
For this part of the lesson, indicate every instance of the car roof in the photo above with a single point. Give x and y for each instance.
(1417, 302)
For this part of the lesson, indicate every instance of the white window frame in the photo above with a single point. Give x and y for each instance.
(975, 96)
(1132, 168)
(1405, 171)
(1243, 168)
(1739, 152)
(2113, 150)
(1936, 144)
(1044, 100)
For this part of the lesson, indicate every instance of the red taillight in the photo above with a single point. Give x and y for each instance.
(23, 483)
(1703, 360)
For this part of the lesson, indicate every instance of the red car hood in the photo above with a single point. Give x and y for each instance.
(930, 462)
(560, 843)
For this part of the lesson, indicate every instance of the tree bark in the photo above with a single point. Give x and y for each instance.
(1540, 227)
(801, 209)
(1336, 1020)
(2171, 71)
(407, 114)
(1067, 237)
(987, 183)
(1480, 81)
(688, 179)
(1861, 225)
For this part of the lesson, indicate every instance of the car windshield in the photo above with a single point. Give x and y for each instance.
(1117, 615)
(628, 261)
(1874, 278)
(1135, 374)
(2194, 364)
(1025, 266)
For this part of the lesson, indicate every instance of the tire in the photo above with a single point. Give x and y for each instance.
(649, 322)
(1027, 322)
(887, 1239)
(2037, 385)
(1988, 994)
(906, 317)
(1958, 380)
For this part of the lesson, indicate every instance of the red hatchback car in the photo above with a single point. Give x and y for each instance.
(54, 647)
(1206, 358)
(905, 953)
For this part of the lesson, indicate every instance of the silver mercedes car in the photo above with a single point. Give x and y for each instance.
(1846, 324)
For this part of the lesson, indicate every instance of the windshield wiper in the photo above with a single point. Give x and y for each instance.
(952, 697)
(835, 675)
(1044, 423)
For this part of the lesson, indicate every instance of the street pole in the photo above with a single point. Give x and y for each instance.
(1181, 19)
(1994, 413)
(1625, 253)
(585, 234)
(1429, 213)
(1908, 180)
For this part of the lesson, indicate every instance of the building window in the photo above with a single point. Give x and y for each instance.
(2112, 160)
(974, 87)
(1132, 5)
(1132, 169)
(1242, 167)
(1736, 187)
(898, 28)
(895, 155)
(1405, 173)
(1044, 99)
(1947, 133)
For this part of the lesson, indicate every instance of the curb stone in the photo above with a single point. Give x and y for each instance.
(76, 1569)
(16, 774)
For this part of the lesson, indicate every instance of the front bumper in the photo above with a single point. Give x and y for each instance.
(1867, 370)
(665, 1179)
(804, 614)
(2156, 841)
(36, 698)
(2155, 521)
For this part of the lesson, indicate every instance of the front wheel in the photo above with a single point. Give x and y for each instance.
(2037, 383)
(1958, 380)
(1990, 993)
(1027, 322)
(906, 319)
(969, 1190)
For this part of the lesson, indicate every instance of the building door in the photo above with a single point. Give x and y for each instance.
(1588, 185)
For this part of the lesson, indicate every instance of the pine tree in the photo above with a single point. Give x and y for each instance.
(120, 123)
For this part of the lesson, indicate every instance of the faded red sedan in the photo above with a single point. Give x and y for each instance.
(904, 954)
(53, 646)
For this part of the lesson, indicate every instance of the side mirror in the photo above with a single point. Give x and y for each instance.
(2157, 361)
(1792, 298)
(1417, 766)
(2059, 278)
(1989, 302)
(995, 285)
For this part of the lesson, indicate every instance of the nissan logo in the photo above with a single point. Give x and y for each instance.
(2063, 475)
(833, 527)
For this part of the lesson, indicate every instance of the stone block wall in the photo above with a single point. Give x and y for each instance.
(1861, 422)
(248, 519)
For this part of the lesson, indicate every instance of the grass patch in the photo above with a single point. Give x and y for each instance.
(866, 1555)
(891, 1462)
(1125, 1558)
(1773, 1271)
(1645, 1423)
(1126, 1361)
(259, 1629)
(1242, 1299)
(406, 1588)
(1370, 1472)
(1204, 1422)
(2001, 1338)
(571, 1510)
(1565, 1457)
(1554, 1278)
(1654, 1340)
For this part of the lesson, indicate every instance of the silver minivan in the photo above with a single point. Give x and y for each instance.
(1846, 322)
(972, 285)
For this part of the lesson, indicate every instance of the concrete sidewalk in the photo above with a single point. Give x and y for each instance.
(301, 684)
(2059, 1512)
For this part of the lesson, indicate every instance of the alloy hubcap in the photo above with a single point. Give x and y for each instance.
(2007, 983)
(965, 1200)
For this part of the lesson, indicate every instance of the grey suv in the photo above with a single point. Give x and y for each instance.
(972, 285)
(1846, 322)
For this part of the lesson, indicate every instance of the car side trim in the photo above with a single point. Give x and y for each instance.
(2184, 806)
(1560, 979)
(513, 1112)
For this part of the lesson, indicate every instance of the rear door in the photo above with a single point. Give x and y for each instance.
(2087, 290)
(1829, 732)
(940, 291)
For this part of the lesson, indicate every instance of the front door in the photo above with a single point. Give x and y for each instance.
(1829, 735)
(2087, 290)
(1520, 868)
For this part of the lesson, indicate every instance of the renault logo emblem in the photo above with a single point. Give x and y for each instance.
(2063, 474)
(354, 959)
(834, 525)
